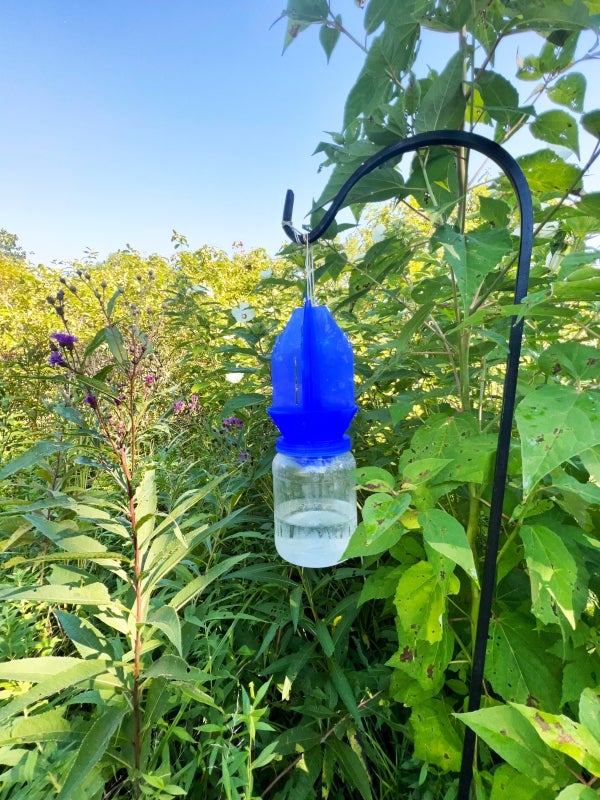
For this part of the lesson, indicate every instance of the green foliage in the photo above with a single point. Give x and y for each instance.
(154, 645)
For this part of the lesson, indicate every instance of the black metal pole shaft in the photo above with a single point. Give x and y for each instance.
(521, 188)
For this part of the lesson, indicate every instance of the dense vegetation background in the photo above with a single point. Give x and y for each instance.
(153, 644)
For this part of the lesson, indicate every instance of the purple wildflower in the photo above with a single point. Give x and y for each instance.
(179, 406)
(55, 359)
(149, 380)
(66, 340)
(243, 456)
(193, 404)
(91, 400)
(233, 422)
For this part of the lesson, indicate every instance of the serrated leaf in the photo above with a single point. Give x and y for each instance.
(591, 123)
(329, 36)
(472, 256)
(33, 670)
(556, 127)
(568, 737)
(93, 746)
(45, 726)
(176, 669)
(512, 785)
(500, 98)
(569, 91)
(443, 105)
(34, 455)
(165, 618)
(447, 536)
(381, 584)
(589, 711)
(517, 665)
(92, 594)
(72, 676)
(188, 593)
(553, 574)
(436, 740)
(380, 528)
(556, 422)
(351, 768)
(547, 173)
(116, 345)
(375, 479)
(420, 601)
(504, 730)
(577, 791)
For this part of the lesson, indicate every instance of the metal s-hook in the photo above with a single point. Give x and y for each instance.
(519, 183)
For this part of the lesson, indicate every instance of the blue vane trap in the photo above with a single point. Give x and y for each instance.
(312, 371)
(313, 472)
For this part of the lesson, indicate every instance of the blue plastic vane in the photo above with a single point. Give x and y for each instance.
(313, 384)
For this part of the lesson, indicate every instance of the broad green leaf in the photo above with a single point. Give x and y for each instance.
(34, 455)
(36, 669)
(556, 127)
(165, 618)
(92, 594)
(569, 91)
(423, 470)
(580, 672)
(93, 746)
(242, 401)
(145, 510)
(499, 96)
(381, 584)
(419, 667)
(176, 669)
(45, 726)
(512, 785)
(436, 740)
(188, 593)
(548, 174)
(375, 479)
(555, 422)
(589, 711)
(443, 105)
(591, 123)
(116, 345)
(577, 791)
(472, 256)
(565, 736)
(381, 528)
(420, 601)
(447, 536)
(553, 574)
(329, 36)
(352, 769)
(87, 639)
(74, 675)
(517, 664)
(504, 730)
(577, 360)
(66, 535)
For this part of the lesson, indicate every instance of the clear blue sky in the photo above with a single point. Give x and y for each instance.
(125, 119)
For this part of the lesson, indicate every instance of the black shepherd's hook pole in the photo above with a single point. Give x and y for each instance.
(519, 184)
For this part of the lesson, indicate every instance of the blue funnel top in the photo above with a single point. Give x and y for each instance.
(313, 384)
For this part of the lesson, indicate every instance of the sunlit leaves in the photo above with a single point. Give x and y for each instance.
(569, 91)
(557, 127)
(443, 105)
(553, 574)
(556, 423)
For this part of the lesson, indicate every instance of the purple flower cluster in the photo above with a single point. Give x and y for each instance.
(181, 406)
(232, 423)
(55, 359)
(66, 340)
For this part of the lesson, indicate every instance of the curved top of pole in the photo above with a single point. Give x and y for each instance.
(459, 139)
